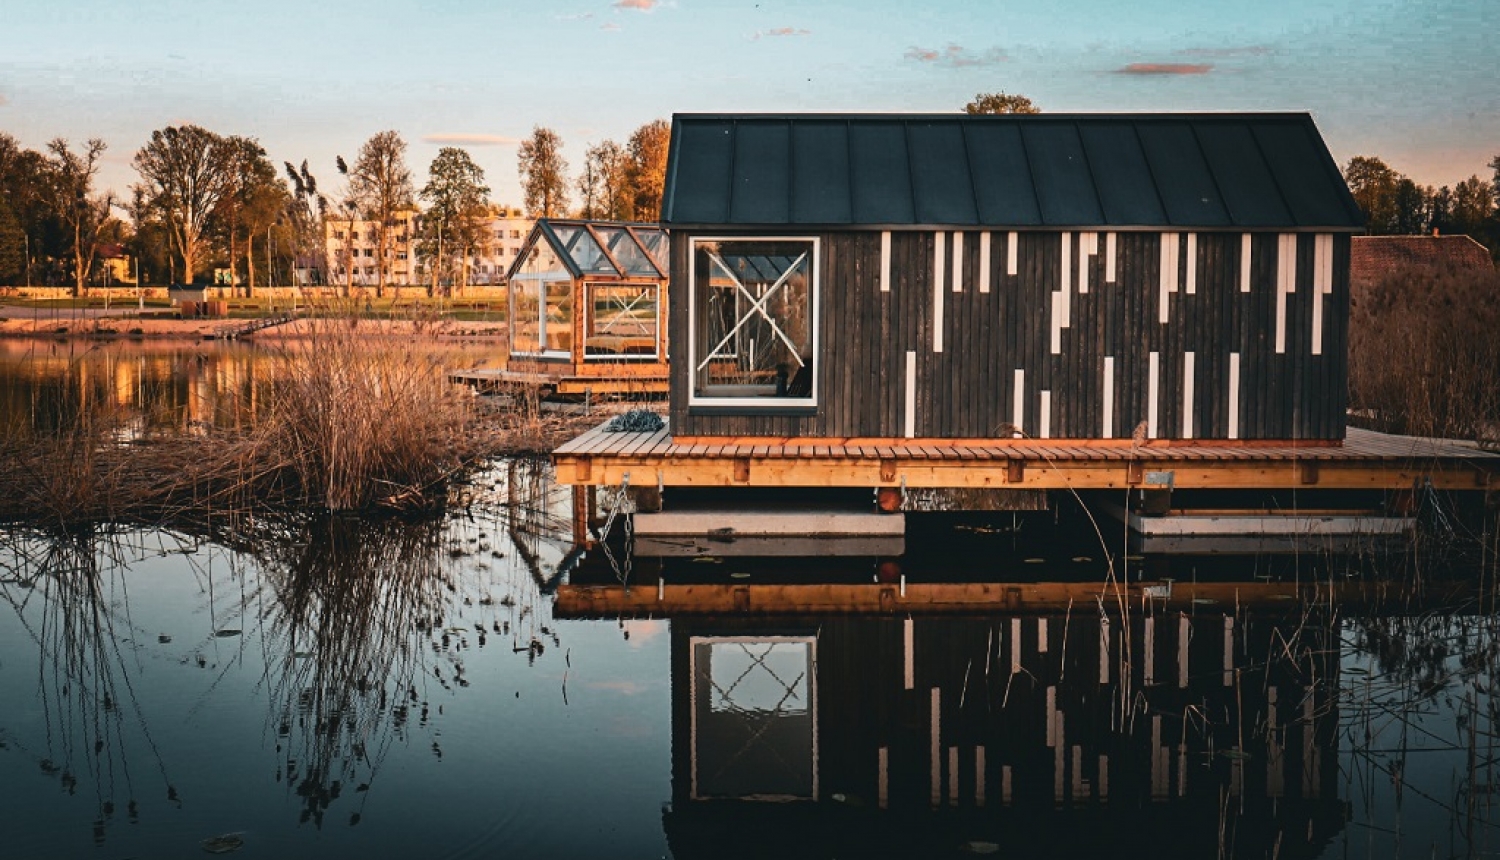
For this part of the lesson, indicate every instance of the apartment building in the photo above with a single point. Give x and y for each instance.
(354, 245)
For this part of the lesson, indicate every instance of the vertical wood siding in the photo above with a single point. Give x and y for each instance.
(1264, 336)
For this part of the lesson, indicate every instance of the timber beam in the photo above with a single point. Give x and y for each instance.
(1030, 473)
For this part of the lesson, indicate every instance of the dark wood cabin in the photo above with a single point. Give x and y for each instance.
(887, 276)
(586, 308)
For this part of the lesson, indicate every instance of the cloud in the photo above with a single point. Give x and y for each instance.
(1238, 51)
(470, 139)
(956, 56)
(638, 5)
(1165, 69)
(610, 27)
(781, 31)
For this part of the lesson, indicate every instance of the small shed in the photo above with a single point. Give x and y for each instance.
(587, 307)
(1109, 276)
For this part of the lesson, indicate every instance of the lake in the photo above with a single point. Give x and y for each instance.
(470, 686)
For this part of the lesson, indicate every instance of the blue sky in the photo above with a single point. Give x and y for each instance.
(1414, 82)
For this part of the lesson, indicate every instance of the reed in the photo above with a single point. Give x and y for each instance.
(344, 420)
(1423, 356)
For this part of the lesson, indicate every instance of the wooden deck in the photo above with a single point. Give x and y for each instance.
(639, 383)
(1365, 460)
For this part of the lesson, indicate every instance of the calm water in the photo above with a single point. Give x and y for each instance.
(473, 687)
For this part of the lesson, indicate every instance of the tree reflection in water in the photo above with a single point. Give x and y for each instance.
(71, 599)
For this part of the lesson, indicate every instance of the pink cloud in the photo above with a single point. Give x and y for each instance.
(957, 56)
(1165, 69)
(782, 31)
(610, 27)
(639, 5)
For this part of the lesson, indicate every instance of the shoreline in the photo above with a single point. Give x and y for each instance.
(114, 328)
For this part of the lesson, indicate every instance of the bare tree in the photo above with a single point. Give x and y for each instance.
(381, 183)
(648, 168)
(186, 172)
(81, 213)
(543, 173)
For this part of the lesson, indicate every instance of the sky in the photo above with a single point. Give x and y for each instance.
(1414, 82)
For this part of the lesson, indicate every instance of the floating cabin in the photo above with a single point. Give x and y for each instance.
(587, 309)
(1010, 302)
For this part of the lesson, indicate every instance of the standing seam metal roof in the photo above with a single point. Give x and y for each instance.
(1122, 171)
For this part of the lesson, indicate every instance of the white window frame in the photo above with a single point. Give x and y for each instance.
(769, 404)
(588, 321)
(539, 284)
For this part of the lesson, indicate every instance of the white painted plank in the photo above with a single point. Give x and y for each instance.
(1011, 241)
(984, 262)
(937, 292)
(1245, 258)
(1108, 430)
(1153, 384)
(1055, 323)
(1015, 646)
(1018, 403)
(935, 750)
(1046, 431)
(1065, 286)
(885, 261)
(1104, 649)
(958, 262)
(1234, 395)
(1192, 263)
(1041, 636)
(1109, 257)
(908, 643)
(1228, 650)
(1148, 653)
(910, 424)
(1187, 394)
(1184, 634)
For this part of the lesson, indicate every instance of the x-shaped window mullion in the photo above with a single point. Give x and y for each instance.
(757, 306)
(625, 308)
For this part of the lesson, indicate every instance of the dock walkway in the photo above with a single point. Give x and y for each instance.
(1365, 460)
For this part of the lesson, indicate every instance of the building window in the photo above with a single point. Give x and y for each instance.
(543, 316)
(338, 234)
(515, 234)
(752, 307)
(622, 322)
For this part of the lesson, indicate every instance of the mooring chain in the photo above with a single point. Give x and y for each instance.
(602, 535)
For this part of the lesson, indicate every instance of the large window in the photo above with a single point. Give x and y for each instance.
(541, 311)
(753, 311)
(623, 320)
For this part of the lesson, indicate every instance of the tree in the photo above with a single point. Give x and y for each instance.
(457, 202)
(28, 227)
(1373, 185)
(186, 172)
(999, 103)
(381, 184)
(1412, 211)
(648, 168)
(1473, 205)
(305, 213)
(543, 173)
(605, 183)
(251, 204)
(80, 213)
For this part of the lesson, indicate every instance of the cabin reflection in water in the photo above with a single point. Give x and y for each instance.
(1046, 734)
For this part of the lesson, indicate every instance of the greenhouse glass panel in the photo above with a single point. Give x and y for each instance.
(623, 320)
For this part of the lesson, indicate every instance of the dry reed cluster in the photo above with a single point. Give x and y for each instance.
(1424, 355)
(343, 421)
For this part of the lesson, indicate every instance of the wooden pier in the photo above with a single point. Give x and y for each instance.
(1365, 460)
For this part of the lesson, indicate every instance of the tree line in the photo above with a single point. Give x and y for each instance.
(1393, 204)
(207, 201)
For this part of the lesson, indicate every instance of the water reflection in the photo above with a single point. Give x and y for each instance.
(74, 608)
(1250, 724)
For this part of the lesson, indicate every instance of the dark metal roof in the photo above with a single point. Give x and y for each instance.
(1121, 171)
